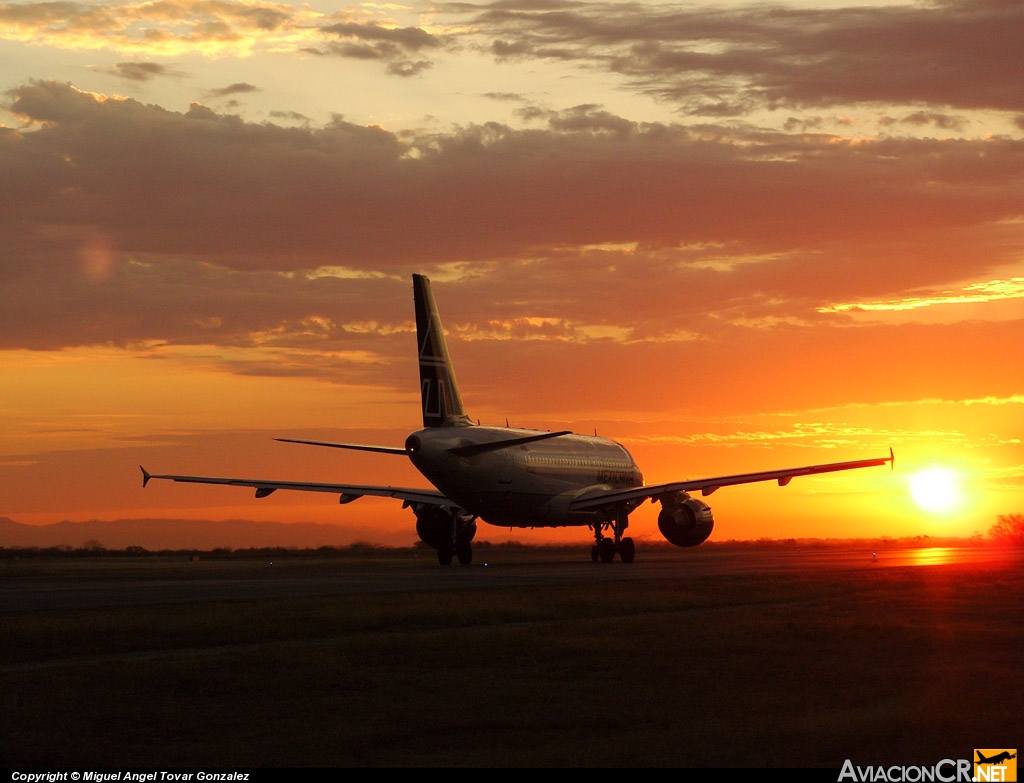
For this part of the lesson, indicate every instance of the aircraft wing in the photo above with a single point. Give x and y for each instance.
(709, 485)
(346, 492)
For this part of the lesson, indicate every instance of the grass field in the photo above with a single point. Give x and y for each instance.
(889, 666)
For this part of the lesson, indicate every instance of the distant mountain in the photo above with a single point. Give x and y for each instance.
(178, 534)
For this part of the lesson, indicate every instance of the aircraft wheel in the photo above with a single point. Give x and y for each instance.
(607, 550)
(444, 555)
(627, 550)
(465, 554)
(595, 554)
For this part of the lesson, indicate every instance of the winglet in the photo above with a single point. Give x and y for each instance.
(145, 476)
(892, 459)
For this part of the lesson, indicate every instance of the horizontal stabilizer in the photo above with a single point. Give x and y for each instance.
(354, 446)
(480, 448)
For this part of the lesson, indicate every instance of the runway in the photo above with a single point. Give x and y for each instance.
(720, 656)
(39, 586)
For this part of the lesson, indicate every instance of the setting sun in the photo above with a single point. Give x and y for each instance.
(936, 490)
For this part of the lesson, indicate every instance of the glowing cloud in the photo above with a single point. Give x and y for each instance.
(992, 291)
(175, 27)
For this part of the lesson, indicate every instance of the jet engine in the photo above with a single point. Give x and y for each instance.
(684, 521)
(434, 525)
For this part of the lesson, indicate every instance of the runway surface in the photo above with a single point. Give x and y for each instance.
(28, 586)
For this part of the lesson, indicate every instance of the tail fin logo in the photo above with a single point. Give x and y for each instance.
(439, 392)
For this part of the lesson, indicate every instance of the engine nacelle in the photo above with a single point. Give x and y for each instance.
(434, 527)
(685, 521)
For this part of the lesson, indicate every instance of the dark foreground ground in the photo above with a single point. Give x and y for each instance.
(725, 658)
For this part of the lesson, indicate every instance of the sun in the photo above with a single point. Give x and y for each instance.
(936, 490)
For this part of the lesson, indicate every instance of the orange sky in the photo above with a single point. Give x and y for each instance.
(733, 237)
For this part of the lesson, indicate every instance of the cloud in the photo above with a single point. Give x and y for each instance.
(940, 120)
(142, 71)
(409, 39)
(223, 28)
(816, 435)
(213, 184)
(397, 46)
(406, 68)
(232, 89)
(292, 116)
(169, 27)
(701, 254)
(975, 293)
(713, 61)
(719, 61)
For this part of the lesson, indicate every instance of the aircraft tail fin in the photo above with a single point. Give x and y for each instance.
(439, 392)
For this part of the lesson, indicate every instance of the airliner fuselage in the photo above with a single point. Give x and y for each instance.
(531, 484)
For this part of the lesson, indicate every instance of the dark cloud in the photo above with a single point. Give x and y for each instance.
(361, 51)
(511, 49)
(142, 71)
(590, 119)
(410, 39)
(309, 322)
(408, 67)
(129, 223)
(293, 116)
(232, 89)
(940, 120)
(399, 47)
(712, 60)
(719, 61)
(265, 18)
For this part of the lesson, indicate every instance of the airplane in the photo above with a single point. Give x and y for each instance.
(518, 478)
(999, 758)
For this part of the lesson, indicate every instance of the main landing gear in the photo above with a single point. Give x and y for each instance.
(462, 550)
(604, 549)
